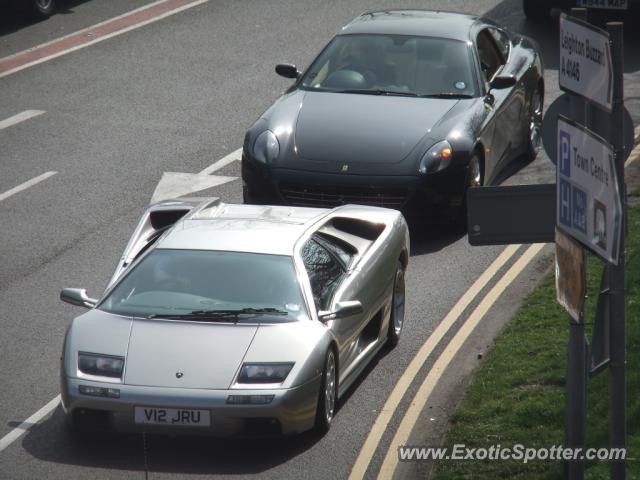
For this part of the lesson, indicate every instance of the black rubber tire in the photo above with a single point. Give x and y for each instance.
(246, 196)
(393, 335)
(323, 423)
(536, 9)
(532, 152)
(32, 9)
(460, 218)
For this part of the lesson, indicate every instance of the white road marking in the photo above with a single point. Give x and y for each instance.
(442, 363)
(102, 38)
(20, 117)
(25, 185)
(223, 162)
(176, 184)
(25, 426)
(384, 417)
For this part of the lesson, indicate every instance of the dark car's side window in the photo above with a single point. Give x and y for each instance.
(325, 272)
(491, 57)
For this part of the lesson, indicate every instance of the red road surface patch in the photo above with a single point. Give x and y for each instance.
(90, 35)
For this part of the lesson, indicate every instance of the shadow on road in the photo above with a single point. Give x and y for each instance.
(50, 442)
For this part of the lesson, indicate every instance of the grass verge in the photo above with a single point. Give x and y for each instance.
(517, 395)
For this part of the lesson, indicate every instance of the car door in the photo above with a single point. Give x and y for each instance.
(498, 101)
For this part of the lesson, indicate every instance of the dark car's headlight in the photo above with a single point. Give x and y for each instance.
(266, 148)
(264, 372)
(437, 158)
(100, 365)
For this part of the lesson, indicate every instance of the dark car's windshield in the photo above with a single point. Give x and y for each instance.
(186, 283)
(393, 64)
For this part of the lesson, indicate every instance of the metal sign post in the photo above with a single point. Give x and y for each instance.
(576, 378)
(617, 385)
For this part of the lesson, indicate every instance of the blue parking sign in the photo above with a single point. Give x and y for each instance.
(564, 215)
(565, 153)
(579, 207)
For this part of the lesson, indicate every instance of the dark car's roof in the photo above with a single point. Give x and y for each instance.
(413, 22)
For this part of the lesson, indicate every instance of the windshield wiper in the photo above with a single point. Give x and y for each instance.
(447, 95)
(379, 91)
(219, 314)
(242, 311)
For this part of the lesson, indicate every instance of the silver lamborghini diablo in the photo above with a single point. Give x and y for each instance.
(235, 319)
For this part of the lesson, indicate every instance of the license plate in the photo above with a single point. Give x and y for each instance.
(172, 416)
(611, 4)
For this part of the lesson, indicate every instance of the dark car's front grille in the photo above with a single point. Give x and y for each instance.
(332, 196)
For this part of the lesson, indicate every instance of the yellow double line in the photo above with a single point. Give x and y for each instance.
(426, 388)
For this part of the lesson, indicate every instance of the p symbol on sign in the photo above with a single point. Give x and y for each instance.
(565, 154)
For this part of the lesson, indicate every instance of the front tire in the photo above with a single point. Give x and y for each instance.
(327, 397)
(475, 178)
(396, 320)
(534, 130)
(42, 8)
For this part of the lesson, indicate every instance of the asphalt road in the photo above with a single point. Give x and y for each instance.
(177, 95)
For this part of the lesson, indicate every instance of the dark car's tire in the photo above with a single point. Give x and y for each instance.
(246, 195)
(42, 8)
(536, 9)
(475, 178)
(396, 319)
(534, 125)
(327, 397)
(33, 9)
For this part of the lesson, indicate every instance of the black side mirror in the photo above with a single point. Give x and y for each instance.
(287, 70)
(503, 82)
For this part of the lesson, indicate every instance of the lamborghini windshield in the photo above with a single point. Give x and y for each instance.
(209, 285)
(393, 65)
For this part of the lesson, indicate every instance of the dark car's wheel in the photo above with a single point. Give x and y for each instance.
(42, 8)
(396, 321)
(536, 9)
(475, 178)
(327, 397)
(534, 130)
(33, 9)
(247, 198)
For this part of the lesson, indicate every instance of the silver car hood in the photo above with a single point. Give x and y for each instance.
(186, 354)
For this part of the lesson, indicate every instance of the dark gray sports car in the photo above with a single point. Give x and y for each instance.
(402, 109)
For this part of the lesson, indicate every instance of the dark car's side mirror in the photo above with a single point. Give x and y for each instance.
(501, 82)
(287, 70)
(342, 309)
(77, 297)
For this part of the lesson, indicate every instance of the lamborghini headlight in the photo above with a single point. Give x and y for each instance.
(264, 372)
(266, 148)
(437, 158)
(100, 365)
